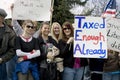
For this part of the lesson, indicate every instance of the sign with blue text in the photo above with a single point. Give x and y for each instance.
(90, 37)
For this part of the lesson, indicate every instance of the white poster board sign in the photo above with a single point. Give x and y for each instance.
(90, 37)
(6, 4)
(38, 10)
(113, 34)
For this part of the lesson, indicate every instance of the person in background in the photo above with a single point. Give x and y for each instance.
(10, 65)
(7, 46)
(111, 66)
(73, 67)
(49, 50)
(96, 68)
(56, 33)
(27, 50)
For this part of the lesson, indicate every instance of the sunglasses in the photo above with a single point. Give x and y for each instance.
(66, 28)
(32, 27)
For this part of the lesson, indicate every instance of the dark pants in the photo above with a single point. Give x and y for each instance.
(10, 66)
(59, 75)
(44, 74)
(49, 73)
(3, 74)
(95, 76)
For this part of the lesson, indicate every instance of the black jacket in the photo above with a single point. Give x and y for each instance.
(7, 50)
(66, 52)
(43, 47)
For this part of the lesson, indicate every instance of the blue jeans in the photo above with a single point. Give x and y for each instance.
(72, 73)
(24, 67)
(10, 67)
(108, 76)
(87, 75)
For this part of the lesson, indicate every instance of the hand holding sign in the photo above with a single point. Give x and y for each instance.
(70, 40)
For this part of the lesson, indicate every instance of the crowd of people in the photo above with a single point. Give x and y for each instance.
(47, 54)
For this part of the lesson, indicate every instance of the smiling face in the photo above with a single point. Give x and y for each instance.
(67, 30)
(45, 30)
(56, 29)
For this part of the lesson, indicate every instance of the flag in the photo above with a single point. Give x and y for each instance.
(110, 9)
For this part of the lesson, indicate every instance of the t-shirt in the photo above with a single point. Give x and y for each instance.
(77, 63)
(26, 46)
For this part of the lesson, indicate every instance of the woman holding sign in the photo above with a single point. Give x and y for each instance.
(73, 67)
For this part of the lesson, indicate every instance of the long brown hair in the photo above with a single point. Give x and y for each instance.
(67, 24)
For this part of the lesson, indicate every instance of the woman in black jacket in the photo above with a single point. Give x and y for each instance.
(73, 67)
(49, 50)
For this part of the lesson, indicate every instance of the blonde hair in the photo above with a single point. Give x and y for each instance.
(53, 34)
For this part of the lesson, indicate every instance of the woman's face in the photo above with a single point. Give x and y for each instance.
(45, 30)
(67, 30)
(29, 28)
(56, 29)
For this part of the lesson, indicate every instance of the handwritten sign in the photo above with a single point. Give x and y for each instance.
(38, 10)
(5, 4)
(90, 37)
(113, 34)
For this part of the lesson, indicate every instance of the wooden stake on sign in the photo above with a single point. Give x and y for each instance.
(52, 5)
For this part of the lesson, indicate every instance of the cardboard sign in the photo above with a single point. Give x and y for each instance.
(90, 37)
(6, 4)
(113, 34)
(38, 10)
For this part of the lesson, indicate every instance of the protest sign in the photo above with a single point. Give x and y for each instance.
(90, 37)
(113, 34)
(38, 10)
(6, 4)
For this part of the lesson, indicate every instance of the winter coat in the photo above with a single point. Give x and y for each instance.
(7, 50)
(112, 63)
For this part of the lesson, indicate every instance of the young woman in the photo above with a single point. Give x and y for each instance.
(73, 67)
(49, 50)
(56, 33)
(27, 50)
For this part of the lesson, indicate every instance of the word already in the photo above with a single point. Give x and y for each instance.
(101, 52)
(95, 38)
(89, 25)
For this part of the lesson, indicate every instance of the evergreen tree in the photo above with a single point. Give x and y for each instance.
(61, 11)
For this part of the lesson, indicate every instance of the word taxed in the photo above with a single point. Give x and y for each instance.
(90, 39)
